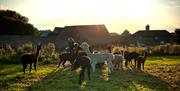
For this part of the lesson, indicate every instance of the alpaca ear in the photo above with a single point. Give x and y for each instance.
(39, 44)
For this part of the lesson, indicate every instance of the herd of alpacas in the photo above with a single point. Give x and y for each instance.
(82, 56)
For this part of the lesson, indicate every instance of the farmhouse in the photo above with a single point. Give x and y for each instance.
(150, 37)
(93, 34)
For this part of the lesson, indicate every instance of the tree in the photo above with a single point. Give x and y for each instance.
(126, 33)
(13, 23)
(177, 35)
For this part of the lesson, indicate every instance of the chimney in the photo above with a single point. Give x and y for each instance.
(147, 27)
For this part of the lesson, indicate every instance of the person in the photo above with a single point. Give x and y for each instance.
(71, 44)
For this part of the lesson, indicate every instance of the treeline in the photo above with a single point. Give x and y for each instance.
(13, 23)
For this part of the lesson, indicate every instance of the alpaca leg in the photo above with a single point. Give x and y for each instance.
(115, 65)
(24, 68)
(111, 65)
(35, 66)
(135, 62)
(121, 65)
(126, 63)
(59, 63)
(80, 77)
(139, 65)
(89, 72)
(93, 66)
(131, 62)
(118, 65)
(30, 67)
(83, 71)
(143, 65)
(64, 63)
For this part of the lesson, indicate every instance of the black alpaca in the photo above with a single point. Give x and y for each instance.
(70, 56)
(141, 60)
(29, 58)
(84, 63)
(134, 55)
(128, 56)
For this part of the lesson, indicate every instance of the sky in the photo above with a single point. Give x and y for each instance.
(117, 15)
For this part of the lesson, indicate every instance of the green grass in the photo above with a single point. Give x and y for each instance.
(162, 60)
(51, 78)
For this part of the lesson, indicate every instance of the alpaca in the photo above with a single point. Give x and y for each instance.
(66, 57)
(98, 57)
(70, 56)
(141, 60)
(134, 55)
(118, 60)
(128, 56)
(85, 63)
(29, 58)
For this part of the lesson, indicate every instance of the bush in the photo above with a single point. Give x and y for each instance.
(166, 50)
(12, 59)
(27, 47)
(50, 49)
(48, 54)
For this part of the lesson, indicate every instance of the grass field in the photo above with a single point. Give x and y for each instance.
(160, 74)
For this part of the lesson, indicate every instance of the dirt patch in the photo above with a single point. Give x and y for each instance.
(168, 73)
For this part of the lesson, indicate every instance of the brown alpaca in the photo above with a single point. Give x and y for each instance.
(29, 58)
(70, 56)
(141, 60)
(85, 63)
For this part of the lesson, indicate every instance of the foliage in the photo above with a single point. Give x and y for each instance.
(27, 47)
(11, 59)
(10, 55)
(50, 49)
(126, 33)
(48, 54)
(13, 23)
(176, 36)
(166, 50)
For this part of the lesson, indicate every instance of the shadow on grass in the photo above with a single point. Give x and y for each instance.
(119, 80)
(10, 74)
(144, 81)
(59, 79)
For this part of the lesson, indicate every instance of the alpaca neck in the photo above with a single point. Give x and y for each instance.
(145, 55)
(37, 52)
(87, 51)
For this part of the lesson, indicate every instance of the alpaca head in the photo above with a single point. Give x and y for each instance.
(39, 46)
(84, 45)
(71, 39)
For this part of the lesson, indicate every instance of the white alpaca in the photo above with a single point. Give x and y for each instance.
(98, 57)
(118, 60)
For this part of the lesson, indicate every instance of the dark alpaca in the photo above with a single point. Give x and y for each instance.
(134, 56)
(129, 56)
(70, 57)
(66, 57)
(85, 63)
(29, 58)
(141, 60)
